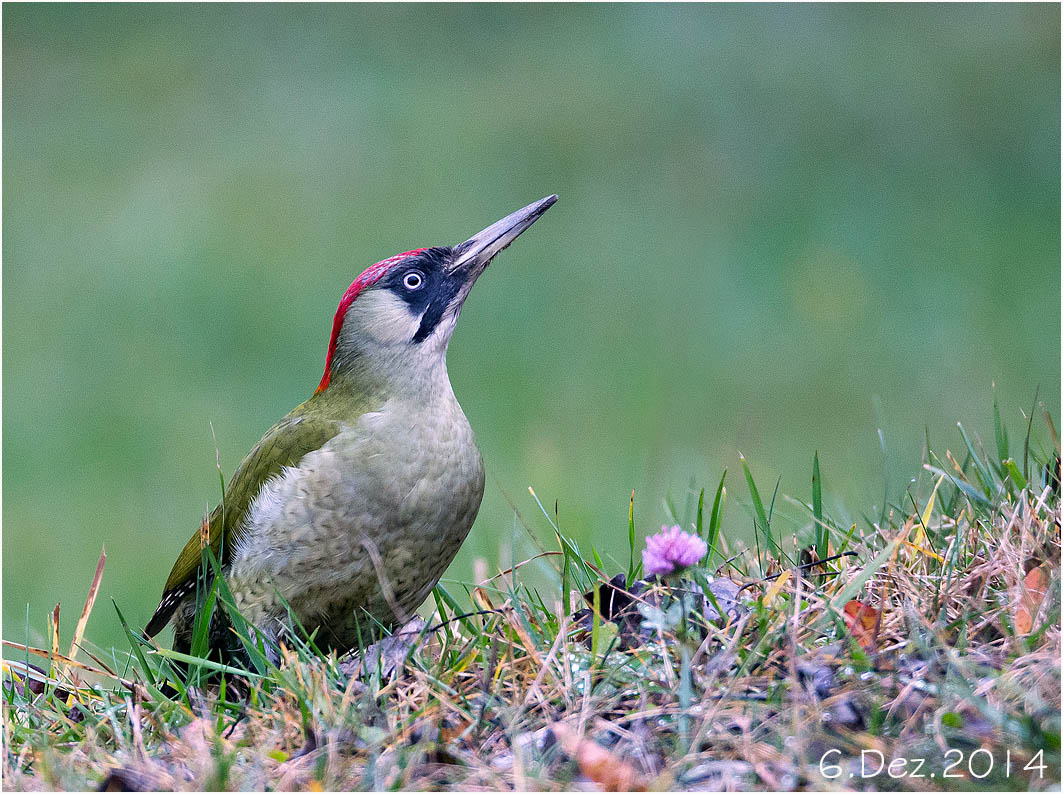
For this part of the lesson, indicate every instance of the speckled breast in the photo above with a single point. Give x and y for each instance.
(364, 527)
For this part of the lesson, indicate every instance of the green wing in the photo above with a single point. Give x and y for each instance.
(284, 444)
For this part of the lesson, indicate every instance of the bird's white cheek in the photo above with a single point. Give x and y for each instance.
(382, 317)
(445, 327)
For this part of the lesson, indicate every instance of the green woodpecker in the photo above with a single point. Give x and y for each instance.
(350, 508)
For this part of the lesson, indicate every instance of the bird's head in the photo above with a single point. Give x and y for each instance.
(398, 315)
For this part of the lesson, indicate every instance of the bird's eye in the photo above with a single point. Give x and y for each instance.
(412, 280)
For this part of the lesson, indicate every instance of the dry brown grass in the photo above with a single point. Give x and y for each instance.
(940, 663)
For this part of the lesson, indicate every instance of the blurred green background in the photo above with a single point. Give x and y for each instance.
(780, 229)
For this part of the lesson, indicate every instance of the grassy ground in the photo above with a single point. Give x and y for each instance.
(924, 653)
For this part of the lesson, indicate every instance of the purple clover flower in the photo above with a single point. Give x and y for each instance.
(671, 550)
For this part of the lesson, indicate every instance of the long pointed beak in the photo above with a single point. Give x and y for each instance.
(476, 253)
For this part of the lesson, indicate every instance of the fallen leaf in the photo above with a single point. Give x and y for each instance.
(601, 766)
(1033, 593)
(861, 620)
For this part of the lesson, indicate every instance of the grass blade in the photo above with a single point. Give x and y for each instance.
(197, 661)
(134, 643)
(1015, 474)
(762, 521)
(1029, 429)
(631, 538)
(885, 478)
(701, 514)
(999, 431)
(713, 536)
(817, 510)
(854, 586)
(972, 493)
(985, 478)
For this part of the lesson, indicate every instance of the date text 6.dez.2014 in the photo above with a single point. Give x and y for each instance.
(953, 763)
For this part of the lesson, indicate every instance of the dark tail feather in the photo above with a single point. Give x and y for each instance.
(171, 599)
